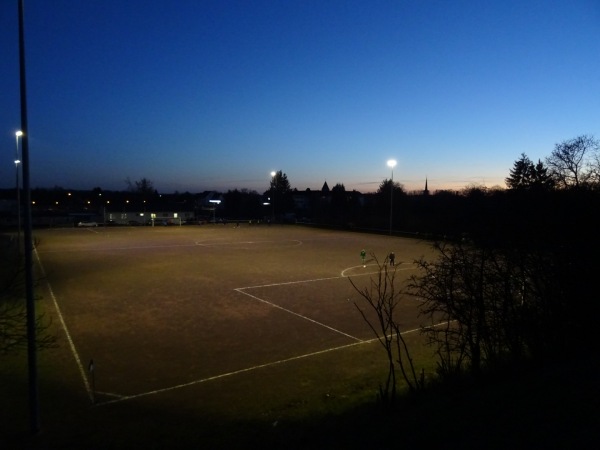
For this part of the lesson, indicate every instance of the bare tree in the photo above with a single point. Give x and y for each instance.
(571, 162)
(595, 169)
(483, 295)
(382, 298)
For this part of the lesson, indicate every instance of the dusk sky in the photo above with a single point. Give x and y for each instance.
(201, 95)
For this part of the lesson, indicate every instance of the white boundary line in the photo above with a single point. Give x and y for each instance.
(66, 330)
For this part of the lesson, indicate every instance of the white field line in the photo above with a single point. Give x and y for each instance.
(343, 275)
(372, 273)
(66, 330)
(247, 369)
(293, 242)
(241, 291)
(105, 249)
(288, 282)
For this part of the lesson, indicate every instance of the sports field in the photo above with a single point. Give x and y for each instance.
(187, 318)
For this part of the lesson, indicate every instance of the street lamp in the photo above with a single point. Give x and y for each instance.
(273, 173)
(18, 134)
(391, 163)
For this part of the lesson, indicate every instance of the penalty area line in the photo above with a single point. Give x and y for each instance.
(248, 369)
(286, 283)
(241, 291)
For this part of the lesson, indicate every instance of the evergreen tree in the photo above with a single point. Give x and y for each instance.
(521, 173)
(279, 183)
(280, 191)
(526, 175)
(540, 177)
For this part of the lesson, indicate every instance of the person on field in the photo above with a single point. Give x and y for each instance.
(392, 258)
(363, 255)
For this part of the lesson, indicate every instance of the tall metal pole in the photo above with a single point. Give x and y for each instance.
(273, 192)
(391, 201)
(391, 163)
(18, 134)
(34, 418)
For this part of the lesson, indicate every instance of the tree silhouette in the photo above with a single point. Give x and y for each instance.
(143, 186)
(526, 175)
(338, 202)
(279, 183)
(279, 190)
(571, 163)
(382, 297)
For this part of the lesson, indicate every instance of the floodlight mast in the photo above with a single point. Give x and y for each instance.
(215, 204)
(18, 134)
(273, 174)
(34, 413)
(391, 163)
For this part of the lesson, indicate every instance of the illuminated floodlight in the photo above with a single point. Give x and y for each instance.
(216, 203)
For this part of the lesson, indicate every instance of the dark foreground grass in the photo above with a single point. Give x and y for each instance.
(533, 408)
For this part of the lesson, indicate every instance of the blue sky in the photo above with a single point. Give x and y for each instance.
(199, 95)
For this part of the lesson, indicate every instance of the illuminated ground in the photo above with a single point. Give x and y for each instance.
(197, 324)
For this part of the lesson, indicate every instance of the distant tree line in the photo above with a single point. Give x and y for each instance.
(572, 165)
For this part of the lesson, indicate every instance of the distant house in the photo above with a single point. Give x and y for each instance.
(161, 211)
(148, 217)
